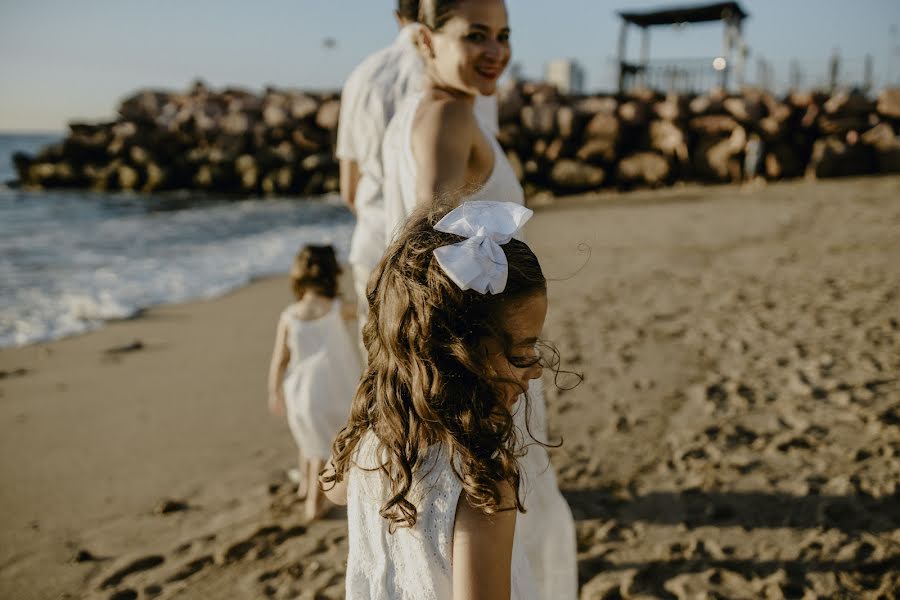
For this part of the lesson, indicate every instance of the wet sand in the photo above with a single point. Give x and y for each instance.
(737, 434)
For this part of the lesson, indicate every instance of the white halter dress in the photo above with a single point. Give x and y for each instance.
(400, 167)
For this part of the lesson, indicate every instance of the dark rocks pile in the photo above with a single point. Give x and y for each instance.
(282, 142)
(564, 144)
(230, 141)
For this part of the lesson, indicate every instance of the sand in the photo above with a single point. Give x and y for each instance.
(737, 433)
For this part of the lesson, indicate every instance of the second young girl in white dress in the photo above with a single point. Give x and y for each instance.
(315, 367)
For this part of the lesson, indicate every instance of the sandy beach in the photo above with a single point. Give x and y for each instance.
(736, 435)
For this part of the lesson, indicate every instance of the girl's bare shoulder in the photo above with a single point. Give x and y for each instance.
(306, 311)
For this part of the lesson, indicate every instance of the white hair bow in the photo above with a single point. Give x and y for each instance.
(478, 262)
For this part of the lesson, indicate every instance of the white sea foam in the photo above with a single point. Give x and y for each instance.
(69, 262)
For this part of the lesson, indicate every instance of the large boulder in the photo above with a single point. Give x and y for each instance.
(849, 103)
(541, 93)
(144, 106)
(327, 115)
(571, 176)
(274, 115)
(673, 108)
(597, 151)
(886, 144)
(569, 122)
(836, 157)
(743, 109)
(597, 104)
(840, 125)
(709, 125)
(540, 120)
(717, 158)
(235, 123)
(781, 162)
(633, 113)
(643, 168)
(669, 139)
(302, 106)
(603, 126)
(88, 143)
(889, 103)
(156, 178)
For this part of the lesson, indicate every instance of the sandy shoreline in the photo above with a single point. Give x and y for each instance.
(738, 427)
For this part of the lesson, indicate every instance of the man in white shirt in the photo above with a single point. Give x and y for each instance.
(368, 101)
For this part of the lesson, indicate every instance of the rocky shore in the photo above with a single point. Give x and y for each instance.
(282, 141)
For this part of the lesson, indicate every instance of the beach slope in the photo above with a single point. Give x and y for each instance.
(737, 432)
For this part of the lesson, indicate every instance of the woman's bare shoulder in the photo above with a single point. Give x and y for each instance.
(444, 113)
(443, 128)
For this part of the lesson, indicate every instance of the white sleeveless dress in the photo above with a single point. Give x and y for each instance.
(411, 563)
(400, 167)
(547, 528)
(320, 381)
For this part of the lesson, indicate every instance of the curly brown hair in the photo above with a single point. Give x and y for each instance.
(315, 269)
(427, 383)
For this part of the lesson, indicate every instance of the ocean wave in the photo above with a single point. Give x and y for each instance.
(69, 264)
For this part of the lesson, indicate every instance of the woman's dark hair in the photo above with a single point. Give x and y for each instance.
(435, 13)
(426, 382)
(408, 9)
(315, 269)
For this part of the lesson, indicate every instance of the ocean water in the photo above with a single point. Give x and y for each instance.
(72, 260)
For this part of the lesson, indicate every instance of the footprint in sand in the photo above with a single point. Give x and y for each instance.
(14, 373)
(142, 564)
(170, 505)
(191, 568)
(261, 543)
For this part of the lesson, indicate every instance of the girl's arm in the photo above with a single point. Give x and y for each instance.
(348, 310)
(280, 357)
(482, 549)
(336, 492)
(442, 144)
(348, 181)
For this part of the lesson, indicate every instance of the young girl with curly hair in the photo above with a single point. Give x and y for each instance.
(428, 462)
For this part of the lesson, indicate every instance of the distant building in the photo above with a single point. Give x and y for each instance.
(567, 74)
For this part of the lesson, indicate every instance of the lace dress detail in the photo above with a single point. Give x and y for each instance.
(411, 563)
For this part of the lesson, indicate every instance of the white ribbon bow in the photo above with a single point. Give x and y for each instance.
(478, 262)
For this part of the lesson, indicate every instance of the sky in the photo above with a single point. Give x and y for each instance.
(64, 60)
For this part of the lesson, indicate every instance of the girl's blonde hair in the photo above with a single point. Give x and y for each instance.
(427, 382)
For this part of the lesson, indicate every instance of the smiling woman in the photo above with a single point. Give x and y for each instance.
(465, 44)
(438, 147)
(436, 144)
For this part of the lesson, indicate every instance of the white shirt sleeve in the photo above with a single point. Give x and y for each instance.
(346, 148)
